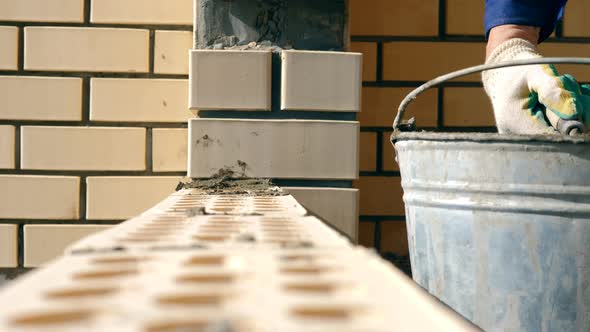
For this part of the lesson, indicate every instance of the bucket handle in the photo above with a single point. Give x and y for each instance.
(475, 69)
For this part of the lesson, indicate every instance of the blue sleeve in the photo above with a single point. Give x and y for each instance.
(539, 13)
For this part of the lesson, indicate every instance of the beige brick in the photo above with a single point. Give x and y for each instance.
(465, 17)
(368, 154)
(389, 163)
(581, 73)
(42, 10)
(422, 61)
(394, 237)
(143, 100)
(380, 107)
(41, 98)
(369, 51)
(367, 234)
(142, 11)
(169, 149)
(393, 17)
(306, 149)
(7, 146)
(321, 81)
(9, 49)
(171, 52)
(83, 148)
(467, 107)
(8, 246)
(338, 206)
(380, 195)
(125, 197)
(229, 80)
(44, 243)
(39, 197)
(575, 22)
(86, 49)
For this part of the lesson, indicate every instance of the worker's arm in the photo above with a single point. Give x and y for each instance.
(527, 100)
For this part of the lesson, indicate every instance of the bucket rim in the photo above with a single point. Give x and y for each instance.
(479, 137)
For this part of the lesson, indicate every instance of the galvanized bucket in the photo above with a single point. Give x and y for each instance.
(499, 225)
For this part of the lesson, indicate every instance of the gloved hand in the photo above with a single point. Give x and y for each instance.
(530, 99)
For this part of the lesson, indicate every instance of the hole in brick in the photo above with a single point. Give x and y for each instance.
(105, 274)
(299, 257)
(227, 209)
(211, 260)
(222, 227)
(118, 260)
(306, 269)
(211, 237)
(40, 319)
(197, 325)
(80, 293)
(209, 278)
(178, 326)
(211, 299)
(311, 287)
(324, 312)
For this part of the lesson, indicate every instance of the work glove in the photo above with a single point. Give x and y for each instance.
(534, 99)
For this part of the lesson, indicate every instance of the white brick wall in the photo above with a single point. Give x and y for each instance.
(9, 49)
(7, 146)
(39, 197)
(46, 242)
(86, 49)
(41, 98)
(139, 100)
(79, 148)
(124, 197)
(100, 90)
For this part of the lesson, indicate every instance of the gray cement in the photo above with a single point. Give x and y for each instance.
(299, 24)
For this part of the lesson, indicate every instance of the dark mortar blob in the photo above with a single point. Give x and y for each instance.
(224, 183)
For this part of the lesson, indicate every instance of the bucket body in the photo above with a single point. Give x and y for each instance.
(499, 227)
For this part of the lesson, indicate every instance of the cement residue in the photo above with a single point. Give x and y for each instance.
(224, 183)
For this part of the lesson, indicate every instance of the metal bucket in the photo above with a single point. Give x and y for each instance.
(499, 225)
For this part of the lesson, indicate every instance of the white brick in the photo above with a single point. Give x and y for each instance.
(143, 100)
(306, 149)
(86, 49)
(9, 49)
(83, 148)
(43, 243)
(171, 52)
(142, 11)
(125, 197)
(7, 146)
(39, 197)
(230, 80)
(321, 81)
(169, 149)
(41, 98)
(42, 10)
(8, 246)
(338, 206)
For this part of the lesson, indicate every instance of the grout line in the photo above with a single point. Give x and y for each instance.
(17, 148)
(377, 239)
(175, 27)
(87, 11)
(21, 48)
(379, 69)
(439, 108)
(85, 107)
(20, 246)
(152, 51)
(442, 20)
(149, 164)
(90, 74)
(83, 198)
(379, 148)
(73, 222)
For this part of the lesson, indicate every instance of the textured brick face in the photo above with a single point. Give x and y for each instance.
(83, 148)
(86, 49)
(142, 11)
(9, 49)
(55, 98)
(42, 10)
(8, 246)
(7, 147)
